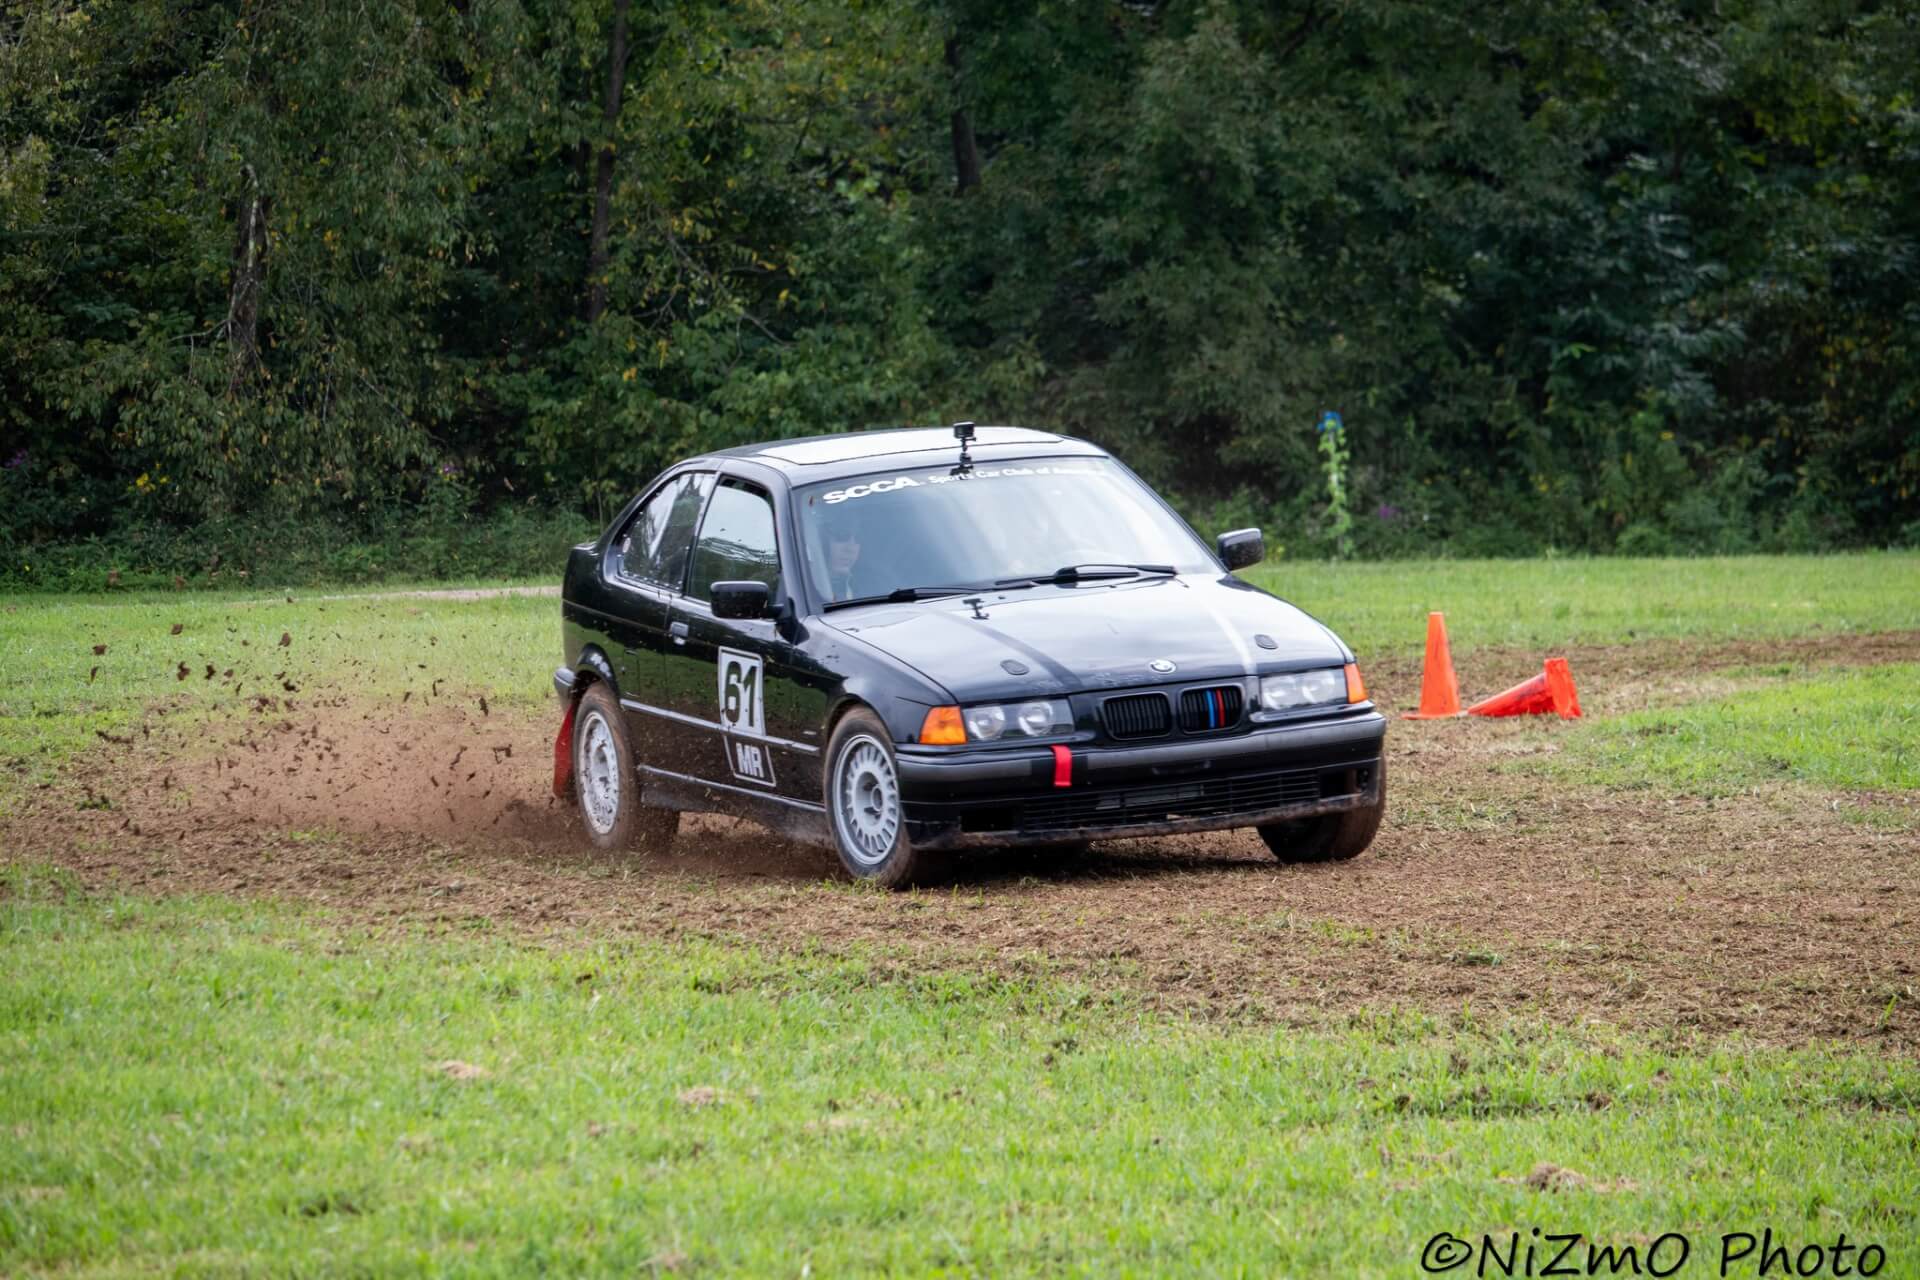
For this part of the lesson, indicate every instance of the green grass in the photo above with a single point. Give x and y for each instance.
(1382, 608)
(196, 1087)
(1850, 729)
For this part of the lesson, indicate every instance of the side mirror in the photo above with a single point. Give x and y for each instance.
(1240, 548)
(740, 599)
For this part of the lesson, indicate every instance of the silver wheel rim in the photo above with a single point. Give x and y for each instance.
(866, 794)
(599, 774)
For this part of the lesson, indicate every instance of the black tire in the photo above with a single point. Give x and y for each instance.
(613, 816)
(865, 817)
(1332, 837)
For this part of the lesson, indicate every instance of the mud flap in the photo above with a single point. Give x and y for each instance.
(563, 755)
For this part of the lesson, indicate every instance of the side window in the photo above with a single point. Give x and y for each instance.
(654, 548)
(736, 541)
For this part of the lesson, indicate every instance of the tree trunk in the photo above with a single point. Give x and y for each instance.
(966, 153)
(603, 170)
(248, 276)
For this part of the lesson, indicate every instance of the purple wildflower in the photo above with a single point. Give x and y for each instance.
(17, 461)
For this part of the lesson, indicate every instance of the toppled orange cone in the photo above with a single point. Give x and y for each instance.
(1439, 691)
(1550, 691)
(1566, 698)
(1528, 698)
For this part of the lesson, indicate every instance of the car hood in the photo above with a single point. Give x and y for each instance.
(1093, 635)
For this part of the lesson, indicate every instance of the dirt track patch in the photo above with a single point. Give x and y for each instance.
(1763, 914)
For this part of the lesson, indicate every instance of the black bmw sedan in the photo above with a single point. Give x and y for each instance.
(904, 643)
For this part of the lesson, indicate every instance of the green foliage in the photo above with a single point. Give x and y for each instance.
(1518, 247)
(438, 541)
(339, 116)
(1333, 458)
(1581, 276)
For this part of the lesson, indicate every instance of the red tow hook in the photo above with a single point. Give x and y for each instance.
(563, 755)
(1062, 767)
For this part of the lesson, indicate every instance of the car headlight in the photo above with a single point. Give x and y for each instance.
(1303, 689)
(1034, 718)
(984, 724)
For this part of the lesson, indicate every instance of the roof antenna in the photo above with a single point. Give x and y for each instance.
(963, 432)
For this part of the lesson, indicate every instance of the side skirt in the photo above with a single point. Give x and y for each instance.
(794, 819)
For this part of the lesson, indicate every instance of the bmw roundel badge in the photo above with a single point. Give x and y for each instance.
(1162, 665)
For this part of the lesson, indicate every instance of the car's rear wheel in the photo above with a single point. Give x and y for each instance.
(607, 785)
(864, 808)
(1331, 837)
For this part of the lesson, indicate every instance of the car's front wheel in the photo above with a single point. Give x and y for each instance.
(606, 783)
(864, 808)
(1331, 837)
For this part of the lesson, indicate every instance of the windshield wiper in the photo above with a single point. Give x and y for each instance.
(902, 595)
(1092, 571)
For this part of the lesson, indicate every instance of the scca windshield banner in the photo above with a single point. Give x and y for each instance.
(948, 477)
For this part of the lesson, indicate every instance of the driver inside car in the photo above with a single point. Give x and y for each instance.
(843, 553)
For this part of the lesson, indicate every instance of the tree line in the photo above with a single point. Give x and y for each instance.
(1592, 275)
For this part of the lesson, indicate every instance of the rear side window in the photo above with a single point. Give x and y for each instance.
(736, 541)
(654, 548)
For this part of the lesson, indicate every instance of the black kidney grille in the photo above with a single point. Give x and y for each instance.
(1217, 708)
(1137, 715)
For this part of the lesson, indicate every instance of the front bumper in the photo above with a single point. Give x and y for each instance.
(988, 797)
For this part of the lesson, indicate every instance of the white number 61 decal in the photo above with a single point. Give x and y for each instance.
(742, 695)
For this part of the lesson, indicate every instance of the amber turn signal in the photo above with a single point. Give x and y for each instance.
(1356, 687)
(944, 728)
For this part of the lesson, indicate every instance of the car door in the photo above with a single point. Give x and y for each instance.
(646, 570)
(743, 677)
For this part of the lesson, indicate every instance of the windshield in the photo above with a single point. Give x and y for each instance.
(871, 535)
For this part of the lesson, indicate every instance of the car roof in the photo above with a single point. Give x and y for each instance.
(806, 459)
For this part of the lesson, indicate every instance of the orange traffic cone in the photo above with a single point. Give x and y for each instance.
(1551, 690)
(1439, 691)
(1566, 698)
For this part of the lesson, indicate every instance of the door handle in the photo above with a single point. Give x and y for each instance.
(679, 632)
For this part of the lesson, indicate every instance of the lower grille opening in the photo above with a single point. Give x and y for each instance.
(1146, 801)
(1344, 782)
(992, 818)
(1166, 802)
